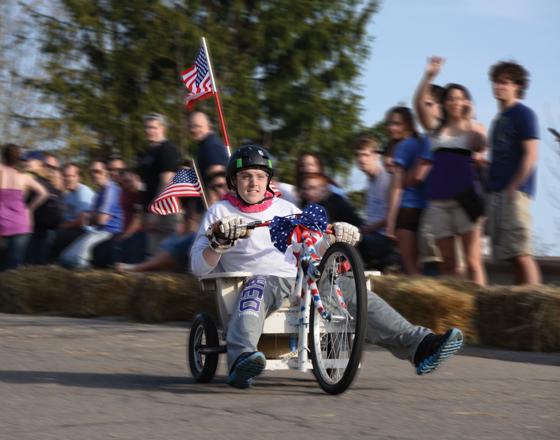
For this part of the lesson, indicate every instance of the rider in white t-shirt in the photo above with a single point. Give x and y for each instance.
(222, 245)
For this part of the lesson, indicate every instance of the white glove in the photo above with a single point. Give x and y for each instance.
(224, 233)
(346, 233)
(232, 228)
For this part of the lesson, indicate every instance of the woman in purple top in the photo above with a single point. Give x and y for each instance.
(453, 190)
(15, 216)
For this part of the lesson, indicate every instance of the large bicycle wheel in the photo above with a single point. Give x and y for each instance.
(203, 348)
(336, 344)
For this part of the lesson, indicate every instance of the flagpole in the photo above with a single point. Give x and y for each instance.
(201, 185)
(216, 96)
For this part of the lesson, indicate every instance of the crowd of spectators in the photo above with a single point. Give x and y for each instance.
(429, 194)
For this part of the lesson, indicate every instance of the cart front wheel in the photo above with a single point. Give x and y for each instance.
(202, 348)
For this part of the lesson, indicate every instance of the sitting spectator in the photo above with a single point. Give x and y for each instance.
(406, 199)
(47, 217)
(130, 246)
(312, 163)
(50, 161)
(53, 172)
(376, 248)
(78, 200)
(315, 188)
(105, 220)
(116, 167)
(174, 252)
(15, 217)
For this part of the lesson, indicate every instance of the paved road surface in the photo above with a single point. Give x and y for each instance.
(80, 379)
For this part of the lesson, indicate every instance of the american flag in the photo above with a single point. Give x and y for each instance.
(197, 79)
(183, 184)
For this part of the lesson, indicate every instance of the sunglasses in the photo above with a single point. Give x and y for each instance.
(218, 186)
(96, 171)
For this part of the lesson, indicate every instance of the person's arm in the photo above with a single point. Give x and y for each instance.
(395, 196)
(372, 227)
(526, 167)
(418, 173)
(164, 179)
(83, 206)
(41, 194)
(134, 226)
(169, 160)
(103, 215)
(203, 259)
(423, 93)
(81, 220)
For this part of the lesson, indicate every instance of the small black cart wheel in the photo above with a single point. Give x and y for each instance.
(202, 348)
(336, 344)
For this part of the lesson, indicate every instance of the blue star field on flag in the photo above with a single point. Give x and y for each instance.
(313, 217)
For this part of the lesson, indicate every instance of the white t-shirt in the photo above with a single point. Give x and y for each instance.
(255, 254)
(377, 204)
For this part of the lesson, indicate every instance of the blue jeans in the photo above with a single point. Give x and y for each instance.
(80, 253)
(12, 251)
(131, 250)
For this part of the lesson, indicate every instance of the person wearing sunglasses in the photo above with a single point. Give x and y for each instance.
(106, 219)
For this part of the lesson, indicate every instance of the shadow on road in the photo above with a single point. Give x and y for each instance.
(124, 381)
(527, 357)
(172, 384)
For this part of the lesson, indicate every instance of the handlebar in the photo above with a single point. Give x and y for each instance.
(261, 224)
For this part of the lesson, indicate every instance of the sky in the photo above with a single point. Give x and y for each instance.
(472, 35)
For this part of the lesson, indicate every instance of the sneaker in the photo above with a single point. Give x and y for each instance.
(434, 349)
(246, 367)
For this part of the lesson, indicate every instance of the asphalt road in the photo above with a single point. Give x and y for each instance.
(78, 379)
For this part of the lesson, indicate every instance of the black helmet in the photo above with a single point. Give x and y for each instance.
(248, 156)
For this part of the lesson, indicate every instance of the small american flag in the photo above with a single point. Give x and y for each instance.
(197, 79)
(183, 184)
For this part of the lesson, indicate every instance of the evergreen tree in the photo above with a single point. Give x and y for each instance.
(286, 70)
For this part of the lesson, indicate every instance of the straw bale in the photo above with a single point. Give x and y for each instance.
(520, 318)
(104, 293)
(434, 303)
(169, 297)
(511, 317)
(39, 289)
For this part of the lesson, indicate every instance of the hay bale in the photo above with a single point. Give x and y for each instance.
(40, 289)
(434, 303)
(162, 297)
(12, 298)
(520, 318)
(104, 293)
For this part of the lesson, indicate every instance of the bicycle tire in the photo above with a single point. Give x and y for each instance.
(336, 346)
(204, 333)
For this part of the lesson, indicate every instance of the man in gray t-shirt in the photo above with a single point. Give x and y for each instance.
(376, 248)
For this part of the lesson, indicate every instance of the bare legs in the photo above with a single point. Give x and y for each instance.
(408, 247)
(526, 270)
(472, 249)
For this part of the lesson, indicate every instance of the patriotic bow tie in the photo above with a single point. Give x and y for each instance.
(313, 217)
